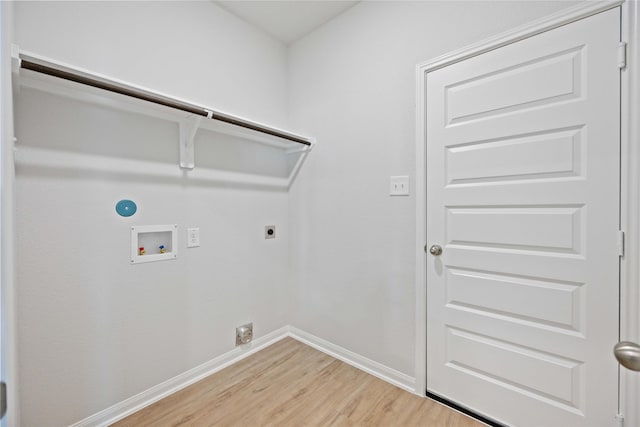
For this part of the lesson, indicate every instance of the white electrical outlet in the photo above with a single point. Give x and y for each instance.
(193, 237)
(399, 186)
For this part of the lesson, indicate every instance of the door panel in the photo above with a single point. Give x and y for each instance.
(523, 176)
(515, 88)
(550, 229)
(539, 156)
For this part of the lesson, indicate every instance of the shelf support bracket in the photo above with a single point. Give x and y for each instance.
(16, 62)
(297, 150)
(188, 128)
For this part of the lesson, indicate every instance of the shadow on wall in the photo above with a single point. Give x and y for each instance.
(70, 139)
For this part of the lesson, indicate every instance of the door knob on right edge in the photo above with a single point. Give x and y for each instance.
(628, 354)
(435, 250)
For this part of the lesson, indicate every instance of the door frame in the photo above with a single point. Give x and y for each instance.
(629, 184)
(630, 206)
(8, 315)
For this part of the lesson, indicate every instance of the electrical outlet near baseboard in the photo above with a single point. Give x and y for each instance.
(244, 334)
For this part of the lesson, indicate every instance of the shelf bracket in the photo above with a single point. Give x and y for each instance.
(188, 128)
(298, 150)
(16, 62)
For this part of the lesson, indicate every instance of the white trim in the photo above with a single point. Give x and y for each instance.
(10, 362)
(135, 403)
(630, 207)
(141, 400)
(369, 366)
(421, 237)
(564, 17)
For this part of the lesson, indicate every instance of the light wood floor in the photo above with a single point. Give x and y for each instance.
(291, 384)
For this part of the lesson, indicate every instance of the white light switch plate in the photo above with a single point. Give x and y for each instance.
(193, 237)
(399, 186)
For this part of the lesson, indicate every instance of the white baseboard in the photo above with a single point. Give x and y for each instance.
(162, 390)
(135, 403)
(376, 369)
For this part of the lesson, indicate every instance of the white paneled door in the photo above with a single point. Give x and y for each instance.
(523, 173)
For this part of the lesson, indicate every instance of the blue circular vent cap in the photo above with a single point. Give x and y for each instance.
(126, 207)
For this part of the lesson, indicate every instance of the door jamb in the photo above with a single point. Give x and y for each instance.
(630, 179)
(9, 366)
(630, 206)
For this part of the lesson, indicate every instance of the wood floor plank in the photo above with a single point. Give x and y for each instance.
(291, 384)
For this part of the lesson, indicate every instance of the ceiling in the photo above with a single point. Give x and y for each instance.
(287, 21)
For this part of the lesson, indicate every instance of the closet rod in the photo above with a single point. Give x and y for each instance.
(145, 96)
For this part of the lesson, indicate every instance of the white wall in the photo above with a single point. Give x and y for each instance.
(94, 330)
(8, 345)
(190, 49)
(352, 85)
